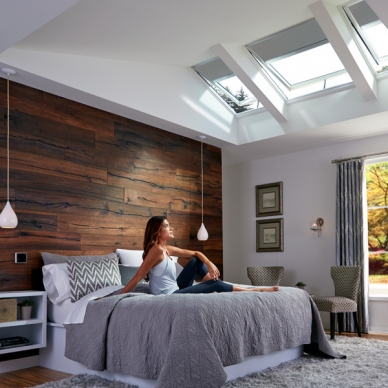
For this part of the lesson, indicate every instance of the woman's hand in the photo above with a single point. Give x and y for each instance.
(213, 271)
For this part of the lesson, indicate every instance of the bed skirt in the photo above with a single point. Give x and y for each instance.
(52, 357)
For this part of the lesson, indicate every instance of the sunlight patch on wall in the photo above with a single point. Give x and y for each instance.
(209, 116)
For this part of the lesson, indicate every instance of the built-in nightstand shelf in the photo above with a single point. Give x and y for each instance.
(34, 329)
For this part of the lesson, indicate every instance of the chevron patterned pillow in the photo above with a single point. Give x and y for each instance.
(88, 276)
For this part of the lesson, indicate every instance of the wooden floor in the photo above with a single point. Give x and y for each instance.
(39, 375)
(30, 377)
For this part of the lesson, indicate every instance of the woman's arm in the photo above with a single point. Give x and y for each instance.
(213, 270)
(152, 257)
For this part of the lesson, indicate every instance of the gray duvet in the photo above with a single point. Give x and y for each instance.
(185, 340)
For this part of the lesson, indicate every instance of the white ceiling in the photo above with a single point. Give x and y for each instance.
(171, 32)
(133, 57)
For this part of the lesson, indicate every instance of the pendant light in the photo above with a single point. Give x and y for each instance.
(8, 218)
(202, 234)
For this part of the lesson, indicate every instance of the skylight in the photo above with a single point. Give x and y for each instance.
(372, 35)
(227, 85)
(299, 60)
(307, 65)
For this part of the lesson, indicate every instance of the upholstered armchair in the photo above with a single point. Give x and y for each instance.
(265, 276)
(346, 283)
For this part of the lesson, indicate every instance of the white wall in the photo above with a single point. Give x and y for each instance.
(378, 315)
(309, 180)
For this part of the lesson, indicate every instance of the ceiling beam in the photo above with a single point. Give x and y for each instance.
(380, 8)
(337, 32)
(237, 59)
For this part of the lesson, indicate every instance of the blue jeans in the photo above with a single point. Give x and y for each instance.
(186, 278)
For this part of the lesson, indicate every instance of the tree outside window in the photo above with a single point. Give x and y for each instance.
(377, 203)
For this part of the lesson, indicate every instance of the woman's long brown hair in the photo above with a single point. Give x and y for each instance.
(154, 226)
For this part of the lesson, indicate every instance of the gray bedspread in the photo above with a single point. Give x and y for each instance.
(185, 340)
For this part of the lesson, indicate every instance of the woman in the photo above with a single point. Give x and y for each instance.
(160, 268)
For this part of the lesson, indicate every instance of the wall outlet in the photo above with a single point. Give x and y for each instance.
(21, 257)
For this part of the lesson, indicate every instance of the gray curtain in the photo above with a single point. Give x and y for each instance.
(349, 232)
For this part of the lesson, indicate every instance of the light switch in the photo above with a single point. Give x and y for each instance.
(21, 257)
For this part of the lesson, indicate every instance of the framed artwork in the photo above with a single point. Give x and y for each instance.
(269, 235)
(269, 199)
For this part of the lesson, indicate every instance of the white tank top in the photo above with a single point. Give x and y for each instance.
(163, 277)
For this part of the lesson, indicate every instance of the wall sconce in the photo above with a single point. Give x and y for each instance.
(316, 226)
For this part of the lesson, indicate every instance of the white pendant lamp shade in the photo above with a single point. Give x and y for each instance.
(202, 234)
(8, 217)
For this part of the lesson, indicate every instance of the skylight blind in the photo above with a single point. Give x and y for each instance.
(214, 69)
(363, 13)
(295, 39)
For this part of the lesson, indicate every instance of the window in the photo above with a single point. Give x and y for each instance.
(227, 85)
(372, 35)
(299, 60)
(377, 205)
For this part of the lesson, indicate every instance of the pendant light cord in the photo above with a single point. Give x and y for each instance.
(8, 138)
(202, 176)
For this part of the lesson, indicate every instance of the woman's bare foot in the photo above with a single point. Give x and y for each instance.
(265, 289)
(256, 289)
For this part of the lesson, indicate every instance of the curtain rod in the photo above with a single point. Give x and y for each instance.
(359, 157)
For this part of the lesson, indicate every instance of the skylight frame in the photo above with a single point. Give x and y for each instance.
(362, 40)
(285, 92)
(279, 81)
(218, 89)
(297, 85)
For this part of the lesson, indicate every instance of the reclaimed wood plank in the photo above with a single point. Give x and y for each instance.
(24, 180)
(53, 133)
(104, 225)
(17, 240)
(109, 241)
(54, 168)
(53, 203)
(36, 221)
(59, 109)
(150, 199)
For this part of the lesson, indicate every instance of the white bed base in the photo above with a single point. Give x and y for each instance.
(52, 357)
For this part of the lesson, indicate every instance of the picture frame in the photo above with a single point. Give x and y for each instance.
(269, 199)
(270, 235)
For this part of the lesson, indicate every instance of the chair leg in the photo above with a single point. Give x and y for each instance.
(340, 322)
(332, 325)
(356, 323)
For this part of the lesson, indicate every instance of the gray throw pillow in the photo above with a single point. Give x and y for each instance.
(127, 273)
(89, 276)
(53, 258)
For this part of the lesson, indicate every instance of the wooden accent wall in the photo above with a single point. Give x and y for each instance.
(84, 181)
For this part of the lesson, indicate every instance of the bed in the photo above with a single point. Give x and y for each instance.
(184, 340)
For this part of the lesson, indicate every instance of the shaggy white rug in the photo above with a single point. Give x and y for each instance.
(366, 365)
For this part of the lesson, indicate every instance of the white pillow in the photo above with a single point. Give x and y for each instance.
(56, 282)
(134, 258)
(129, 257)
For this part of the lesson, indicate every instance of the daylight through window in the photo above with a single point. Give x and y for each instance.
(299, 60)
(227, 85)
(371, 34)
(377, 205)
